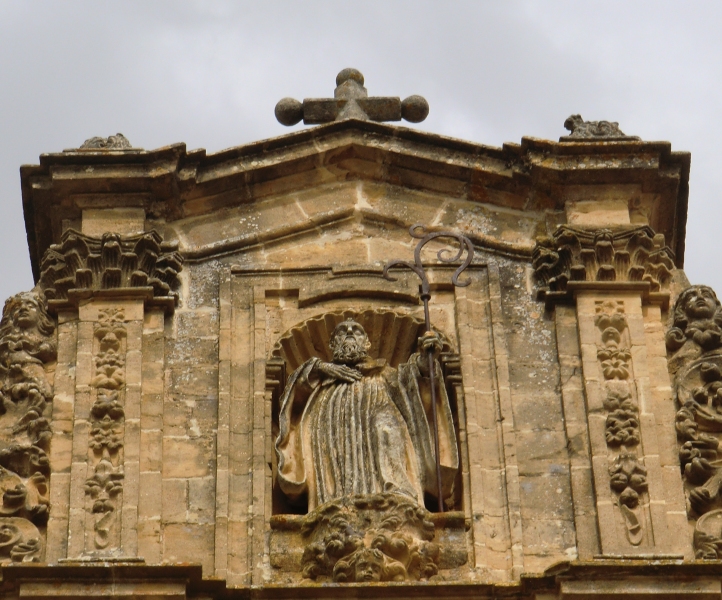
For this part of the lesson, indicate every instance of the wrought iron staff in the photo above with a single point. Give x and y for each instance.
(418, 231)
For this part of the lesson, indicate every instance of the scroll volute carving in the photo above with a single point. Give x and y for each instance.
(694, 344)
(28, 352)
(574, 256)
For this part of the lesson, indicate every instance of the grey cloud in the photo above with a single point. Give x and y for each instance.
(210, 73)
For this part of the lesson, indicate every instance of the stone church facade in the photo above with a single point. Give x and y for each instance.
(150, 380)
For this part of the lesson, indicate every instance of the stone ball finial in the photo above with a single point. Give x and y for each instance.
(289, 111)
(346, 74)
(414, 109)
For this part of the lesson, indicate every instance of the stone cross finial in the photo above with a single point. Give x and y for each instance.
(351, 101)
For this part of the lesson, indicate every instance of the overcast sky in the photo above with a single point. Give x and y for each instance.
(210, 73)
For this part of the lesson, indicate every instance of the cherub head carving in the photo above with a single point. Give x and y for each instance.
(25, 312)
(696, 302)
(697, 318)
(366, 565)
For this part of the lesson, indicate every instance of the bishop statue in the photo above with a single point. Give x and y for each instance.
(358, 426)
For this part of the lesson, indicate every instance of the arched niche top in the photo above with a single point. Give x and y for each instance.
(393, 336)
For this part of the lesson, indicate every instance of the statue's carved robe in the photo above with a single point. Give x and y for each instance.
(375, 435)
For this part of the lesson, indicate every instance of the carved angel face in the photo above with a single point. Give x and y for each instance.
(701, 303)
(369, 566)
(27, 314)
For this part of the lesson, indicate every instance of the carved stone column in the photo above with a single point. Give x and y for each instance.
(111, 295)
(618, 282)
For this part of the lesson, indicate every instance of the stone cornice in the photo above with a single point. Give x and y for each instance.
(171, 183)
(608, 577)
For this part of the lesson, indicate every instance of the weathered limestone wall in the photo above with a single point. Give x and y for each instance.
(181, 300)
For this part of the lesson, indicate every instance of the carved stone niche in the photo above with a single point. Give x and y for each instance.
(574, 259)
(378, 537)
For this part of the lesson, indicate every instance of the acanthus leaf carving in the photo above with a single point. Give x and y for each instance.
(574, 257)
(80, 264)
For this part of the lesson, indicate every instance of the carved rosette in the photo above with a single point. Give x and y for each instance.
(83, 267)
(381, 537)
(28, 351)
(694, 344)
(628, 476)
(577, 259)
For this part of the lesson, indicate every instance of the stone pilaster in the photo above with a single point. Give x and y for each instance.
(111, 294)
(618, 283)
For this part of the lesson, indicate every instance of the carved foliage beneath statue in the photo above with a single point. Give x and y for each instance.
(573, 258)
(382, 537)
(81, 264)
(28, 351)
(694, 343)
(107, 416)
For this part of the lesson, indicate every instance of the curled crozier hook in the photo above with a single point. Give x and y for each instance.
(418, 231)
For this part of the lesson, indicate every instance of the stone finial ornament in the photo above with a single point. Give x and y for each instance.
(351, 101)
(113, 142)
(604, 131)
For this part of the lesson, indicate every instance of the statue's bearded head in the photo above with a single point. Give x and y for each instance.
(349, 343)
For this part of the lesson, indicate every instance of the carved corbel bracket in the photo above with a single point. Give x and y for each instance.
(576, 259)
(113, 266)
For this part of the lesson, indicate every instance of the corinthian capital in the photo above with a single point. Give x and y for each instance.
(82, 266)
(575, 259)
